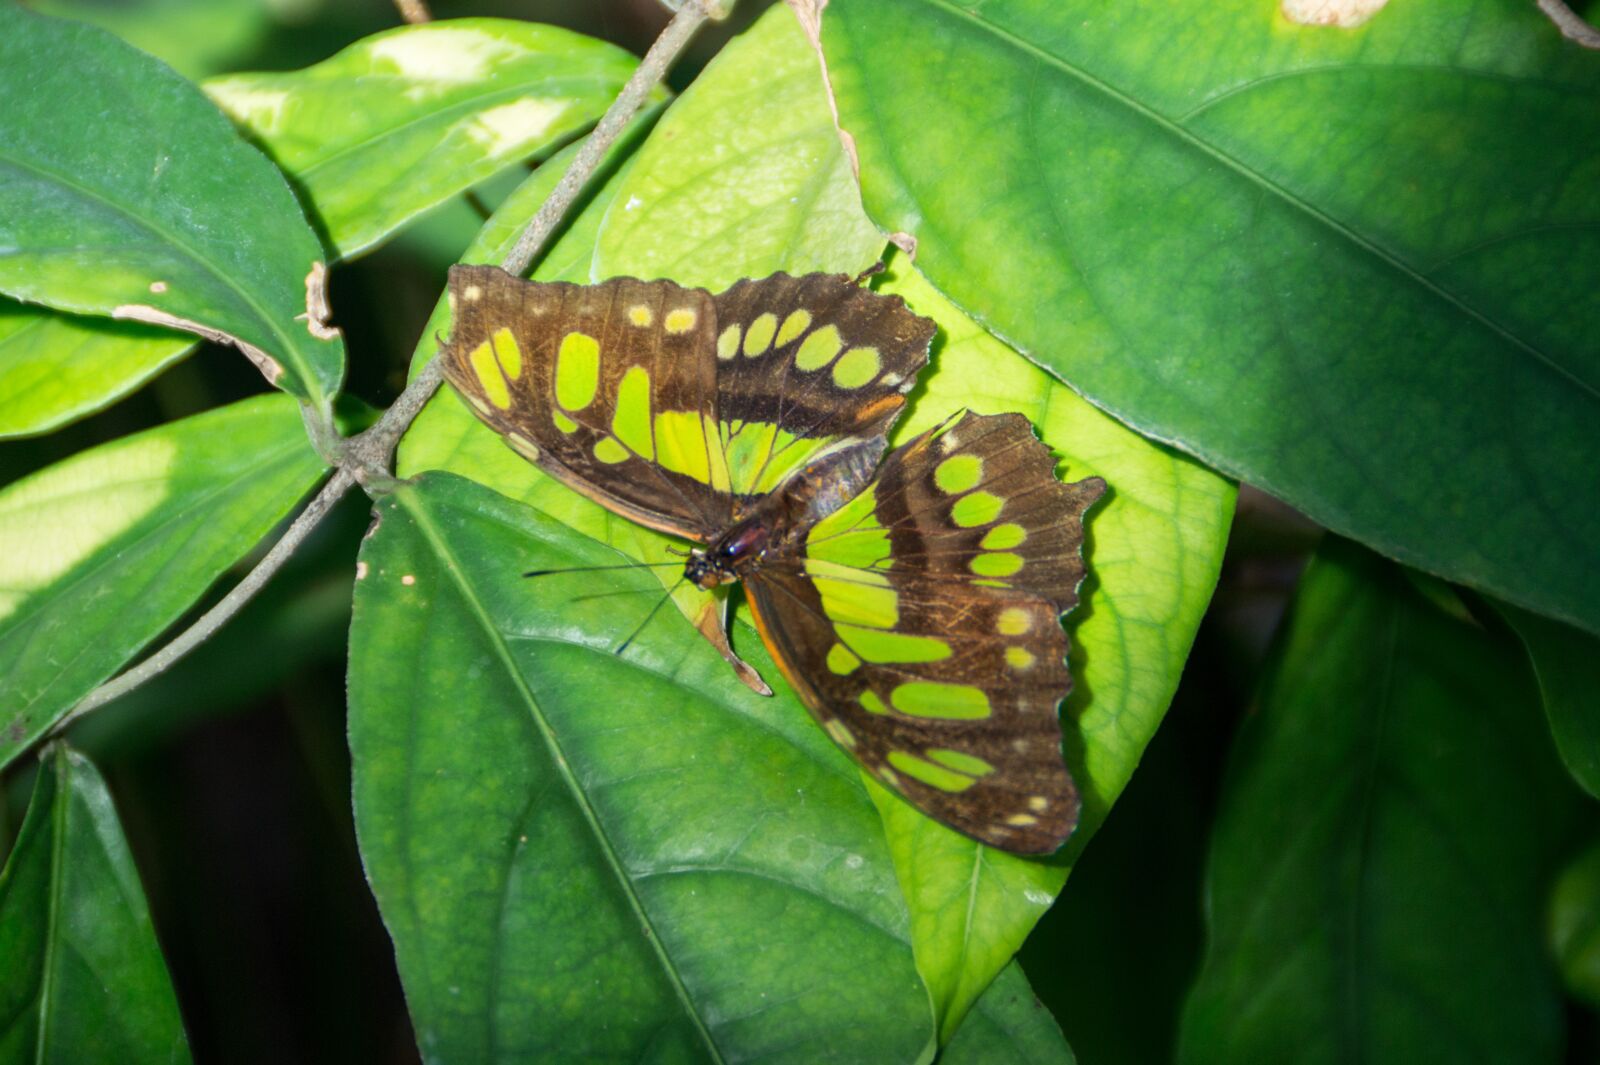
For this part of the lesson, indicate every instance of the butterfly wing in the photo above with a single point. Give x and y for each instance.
(608, 388)
(921, 625)
(807, 367)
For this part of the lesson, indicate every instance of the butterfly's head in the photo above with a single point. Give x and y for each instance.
(729, 558)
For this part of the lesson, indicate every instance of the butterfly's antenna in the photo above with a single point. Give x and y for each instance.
(592, 569)
(623, 646)
(876, 268)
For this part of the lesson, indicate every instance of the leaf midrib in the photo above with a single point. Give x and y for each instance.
(1339, 229)
(419, 512)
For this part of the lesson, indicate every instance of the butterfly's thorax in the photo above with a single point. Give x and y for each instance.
(733, 556)
(773, 525)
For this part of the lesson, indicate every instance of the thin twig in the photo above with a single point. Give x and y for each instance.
(366, 458)
(1570, 23)
(652, 68)
(213, 619)
(414, 11)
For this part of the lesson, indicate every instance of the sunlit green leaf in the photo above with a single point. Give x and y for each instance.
(1359, 268)
(583, 856)
(124, 192)
(102, 552)
(403, 120)
(1154, 545)
(1388, 833)
(56, 367)
(83, 979)
(1154, 549)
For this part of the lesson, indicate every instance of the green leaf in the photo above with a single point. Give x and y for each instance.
(1567, 664)
(401, 121)
(1358, 268)
(1575, 925)
(124, 192)
(582, 856)
(55, 368)
(83, 979)
(102, 552)
(1154, 548)
(1008, 1026)
(1387, 833)
(756, 130)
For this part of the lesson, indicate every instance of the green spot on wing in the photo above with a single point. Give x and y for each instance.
(979, 508)
(995, 564)
(932, 775)
(928, 698)
(856, 367)
(958, 473)
(631, 420)
(818, 349)
(577, 370)
(876, 645)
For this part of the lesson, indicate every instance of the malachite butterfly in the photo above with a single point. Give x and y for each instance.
(913, 601)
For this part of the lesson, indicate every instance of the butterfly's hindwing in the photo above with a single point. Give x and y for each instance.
(606, 387)
(807, 365)
(942, 679)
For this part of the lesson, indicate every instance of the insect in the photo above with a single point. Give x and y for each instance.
(913, 601)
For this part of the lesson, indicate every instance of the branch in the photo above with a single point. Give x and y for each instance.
(213, 619)
(652, 68)
(366, 458)
(1571, 25)
(414, 12)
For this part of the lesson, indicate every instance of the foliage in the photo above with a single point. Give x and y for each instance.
(1352, 266)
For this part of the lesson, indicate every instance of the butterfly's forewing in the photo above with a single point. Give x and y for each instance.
(920, 623)
(807, 366)
(606, 387)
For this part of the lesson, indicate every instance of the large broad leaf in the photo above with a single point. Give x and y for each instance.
(124, 192)
(56, 367)
(590, 857)
(1567, 663)
(1154, 549)
(1388, 833)
(1359, 268)
(83, 979)
(101, 552)
(755, 130)
(401, 121)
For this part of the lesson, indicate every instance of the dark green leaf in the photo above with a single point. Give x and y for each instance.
(1575, 925)
(102, 552)
(399, 122)
(57, 367)
(1359, 268)
(1567, 663)
(1387, 834)
(590, 857)
(124, 192)
(83, 979)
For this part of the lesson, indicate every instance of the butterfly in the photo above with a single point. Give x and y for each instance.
(912, 600)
